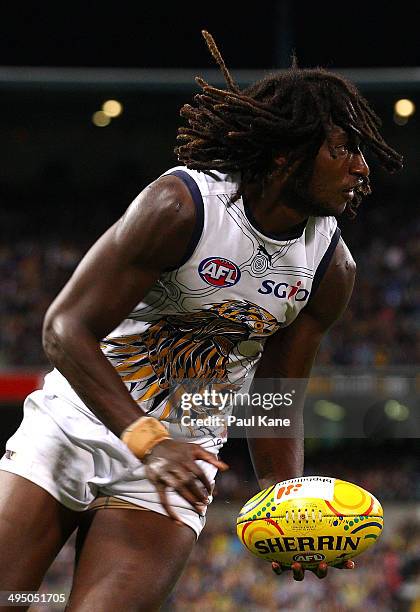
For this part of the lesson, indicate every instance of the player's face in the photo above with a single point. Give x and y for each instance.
(334, 178)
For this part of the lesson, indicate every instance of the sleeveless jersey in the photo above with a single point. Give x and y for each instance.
(207, 320)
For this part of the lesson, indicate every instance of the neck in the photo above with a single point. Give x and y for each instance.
(272, 214)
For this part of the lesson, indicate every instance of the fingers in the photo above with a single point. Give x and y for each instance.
(297, 569)
(201, 454)
(182, 480)
(187, 476)
(210, 458)
(160, 487)
(322, 570)
(348, 564)
(187, 487)
(198, 473)
(191, 498)
(298, 572)
(176, 466)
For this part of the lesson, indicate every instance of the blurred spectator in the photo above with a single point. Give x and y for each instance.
(394, 480)
(31, 274)
(381, 326)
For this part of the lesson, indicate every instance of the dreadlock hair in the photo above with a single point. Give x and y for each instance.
(232, 130)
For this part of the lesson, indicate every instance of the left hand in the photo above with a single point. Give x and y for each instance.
(320, 571)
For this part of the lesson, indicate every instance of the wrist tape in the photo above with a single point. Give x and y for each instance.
(143, 434)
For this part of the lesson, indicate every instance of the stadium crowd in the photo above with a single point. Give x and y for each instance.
(394, 476)
(382, 325)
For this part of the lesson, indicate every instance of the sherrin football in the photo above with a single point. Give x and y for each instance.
(309, 520)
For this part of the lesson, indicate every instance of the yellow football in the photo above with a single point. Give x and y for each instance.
(309, 520)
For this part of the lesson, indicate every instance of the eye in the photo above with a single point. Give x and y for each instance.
(342, 150)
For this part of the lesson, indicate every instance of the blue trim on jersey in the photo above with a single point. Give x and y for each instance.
(292, 234)
(199, 219)
(324, 263)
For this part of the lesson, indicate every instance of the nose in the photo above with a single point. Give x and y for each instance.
(359, 165)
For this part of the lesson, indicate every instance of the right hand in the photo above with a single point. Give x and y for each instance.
(320, 571)
(173, 464)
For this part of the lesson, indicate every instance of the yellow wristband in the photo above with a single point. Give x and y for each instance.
(143, 434)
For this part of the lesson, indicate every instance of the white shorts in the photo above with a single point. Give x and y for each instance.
(75, 458)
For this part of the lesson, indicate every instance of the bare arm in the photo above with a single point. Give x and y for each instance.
(290, 353)
(111, 279)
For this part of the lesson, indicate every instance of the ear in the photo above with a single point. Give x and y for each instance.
(278, 167)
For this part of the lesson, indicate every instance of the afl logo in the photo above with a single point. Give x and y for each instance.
(219, 272)
(308, 557)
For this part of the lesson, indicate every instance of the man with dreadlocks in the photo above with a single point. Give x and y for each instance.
(234, 251)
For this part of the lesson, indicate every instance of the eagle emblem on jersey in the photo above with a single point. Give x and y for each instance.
(219, 343)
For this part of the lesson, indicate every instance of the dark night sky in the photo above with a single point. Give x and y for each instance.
(44, 126)
(250, 34)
